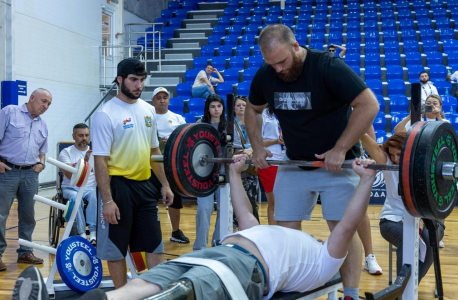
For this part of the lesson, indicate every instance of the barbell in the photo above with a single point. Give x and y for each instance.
(427, 170)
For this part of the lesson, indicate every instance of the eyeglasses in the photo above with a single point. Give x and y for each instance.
(332, 50)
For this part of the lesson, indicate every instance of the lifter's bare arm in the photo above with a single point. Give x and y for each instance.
(365, 108)
(110, 209)
(242, 207)
(373, 149)
(340, 238)
(253, 121)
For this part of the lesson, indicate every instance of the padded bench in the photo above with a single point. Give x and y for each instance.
(329, 288)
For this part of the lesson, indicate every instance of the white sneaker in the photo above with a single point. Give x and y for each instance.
(441, 244)
(372, 266)
(83, 235)
(92, 237)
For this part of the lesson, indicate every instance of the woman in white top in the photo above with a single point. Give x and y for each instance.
(391, 218)
(436, 115)
(273, 141)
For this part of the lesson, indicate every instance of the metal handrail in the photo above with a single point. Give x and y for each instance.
(114, 83)
(128, 33)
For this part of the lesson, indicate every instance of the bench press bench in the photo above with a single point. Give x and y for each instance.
(329, 288)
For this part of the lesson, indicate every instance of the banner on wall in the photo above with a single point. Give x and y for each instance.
(378, 193)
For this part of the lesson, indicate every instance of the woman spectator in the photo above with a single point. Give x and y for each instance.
(391, 218)
(213, 115)
(203, 84)
(242, 145)
(273, 141)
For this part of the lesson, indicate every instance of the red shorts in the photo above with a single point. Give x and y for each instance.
(267, 177)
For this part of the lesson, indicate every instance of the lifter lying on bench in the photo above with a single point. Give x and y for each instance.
(265, 259)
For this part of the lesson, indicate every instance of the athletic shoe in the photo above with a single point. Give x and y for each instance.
(441, 244)
(83, 235)
(30, 258)
(372, 266)
(30, 286)
(98, 294)
(93, 237)
(346, 298)
(2, 266)
(179, 237)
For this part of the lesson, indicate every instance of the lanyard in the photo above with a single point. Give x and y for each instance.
(279, 127)
(430, 90)
(241, 129)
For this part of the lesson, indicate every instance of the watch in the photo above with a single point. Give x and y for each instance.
(40, 163)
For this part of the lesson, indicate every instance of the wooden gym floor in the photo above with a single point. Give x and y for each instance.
(317, 227)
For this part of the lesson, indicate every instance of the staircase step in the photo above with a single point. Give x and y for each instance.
(178, 56)
(172, 68)
(192, 34)
(198, 25)
(203, 17)
(160, 81)
(185, 45)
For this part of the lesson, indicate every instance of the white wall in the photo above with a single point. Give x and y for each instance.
(56, 47)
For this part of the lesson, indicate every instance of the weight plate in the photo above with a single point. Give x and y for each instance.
(68, 213)
(435, 197)
(83, 174)
(139, 260)
(78, 264)
(182, 159)
(76, 176)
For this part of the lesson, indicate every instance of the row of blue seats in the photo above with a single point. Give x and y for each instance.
(221, 62)
(228, 50)
(394, 58)
(248, 73)
(397, 72)
(398, 86)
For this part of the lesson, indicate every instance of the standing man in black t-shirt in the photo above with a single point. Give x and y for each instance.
(312, 94)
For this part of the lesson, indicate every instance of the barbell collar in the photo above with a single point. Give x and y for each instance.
(449, 170)
(157, 158)
(61, 165)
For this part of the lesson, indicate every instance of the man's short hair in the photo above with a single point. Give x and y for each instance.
(209, 64)
(424, 73)
(275, 34)
(331, 46)
(79, 126)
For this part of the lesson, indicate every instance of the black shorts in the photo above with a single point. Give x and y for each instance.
(177, 200)
(138, 228)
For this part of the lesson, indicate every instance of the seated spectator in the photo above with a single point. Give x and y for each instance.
(70, 156)
(203, 85)
(332, 50)
(452, 77)
(427, 88)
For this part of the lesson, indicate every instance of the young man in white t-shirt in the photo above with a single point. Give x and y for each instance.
(203, 84)
(70, 156)
(166, 122)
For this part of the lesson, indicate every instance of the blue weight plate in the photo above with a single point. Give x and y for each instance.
(70, 209)
(78, 264)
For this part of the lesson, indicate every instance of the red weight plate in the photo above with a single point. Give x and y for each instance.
(175, 159)
(83, 174)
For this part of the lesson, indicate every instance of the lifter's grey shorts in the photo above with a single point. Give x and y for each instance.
(296, 192)
(207, 284)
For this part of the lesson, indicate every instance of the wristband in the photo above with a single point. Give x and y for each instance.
(108, 202)
(40, 163)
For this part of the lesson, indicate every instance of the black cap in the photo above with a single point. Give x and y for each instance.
(131, 66)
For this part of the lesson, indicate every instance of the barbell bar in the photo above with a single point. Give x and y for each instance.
(427, 168)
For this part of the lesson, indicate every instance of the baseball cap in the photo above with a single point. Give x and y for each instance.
(131, 66)
(160, 90)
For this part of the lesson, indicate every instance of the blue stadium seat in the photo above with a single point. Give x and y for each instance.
(184, 89)
(291, 2)
(427, 34)
(422, 13)
(259, 11)
(231, 75)
(288, 20)
(243, 88)
(302, 28)
(220, 62)
(233, 3)
(231, 40)
(224, 21)
(290, 10)
(434, 58)
(375, 85)
(337, 17)
(225, 50)
(354, 36)
(413, 58)
(439, 13)
(353, 59)
(446, 33)
(394, 72)
(196, 106)
(442, 86)
(436, 4)
(424, 24)
(430, 45)
(249, 73)
(369, 6)
(381, 102)
(396, 87)
(370, 25)
(174, 5)
(248, 3)
(175, 23)
(452, 4)
(190, 75)
(372, 59)
(230, 11)
(181, 13)
(317, 46)
(321, 8)
(167, 32)
(255, 61)
(318, 27)
(371, 16)
(353, 26)
(390, 46)
(304, 19)
(242, 50)
(437, 72)
(256, 50)
(305, 9)
(353, 7)
(409, 35)
(161, 20)
(354, 16)
(223, 89)
(379, 122)
(235, 30)
(248, 39)
(244, 12)
(337, 7)
(386, 7)
(387, 15)
(442, 23)
(406, 24)
(167, 13)
(397, 117)
(263, 3)
(176, 104)
(411, 46)
(398, 103)
(418, 4)
(255, 20)
(335, 38)
(371, 46)
(240, 20)
(356, 69)
(372, 36)
(301, 38)
(214, 40)
(237, 62)
(452, 58)
(404, 14)
(251, 29)
(200, 62)
(271, 19)
(323, 17)
(389, 25)
(317, 37)
(390, 35)
(208, 51)
(450, 45)
(414, 72)
(372, 72)
(353, 47)
(275, 10)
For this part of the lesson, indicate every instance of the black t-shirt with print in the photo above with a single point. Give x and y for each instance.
(314, 110)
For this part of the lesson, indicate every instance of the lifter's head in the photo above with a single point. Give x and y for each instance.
(393, 146)
(282, 52)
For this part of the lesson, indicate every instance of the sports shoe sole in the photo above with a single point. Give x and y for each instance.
(178, 241)
(376, 272)
(26, 289)
(29, 262)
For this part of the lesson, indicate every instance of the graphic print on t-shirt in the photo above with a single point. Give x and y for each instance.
(293, 101)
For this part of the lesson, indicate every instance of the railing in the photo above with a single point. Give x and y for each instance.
(134, 31)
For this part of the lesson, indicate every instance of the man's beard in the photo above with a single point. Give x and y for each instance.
(128, 93)
(293, 73)
(424, 81)
(82, 145)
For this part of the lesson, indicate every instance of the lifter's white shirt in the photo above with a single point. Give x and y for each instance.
(298, 267)
(166, 123)
(393, 208)
(71, 155)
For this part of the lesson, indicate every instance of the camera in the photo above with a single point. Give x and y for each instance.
(426, 109)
